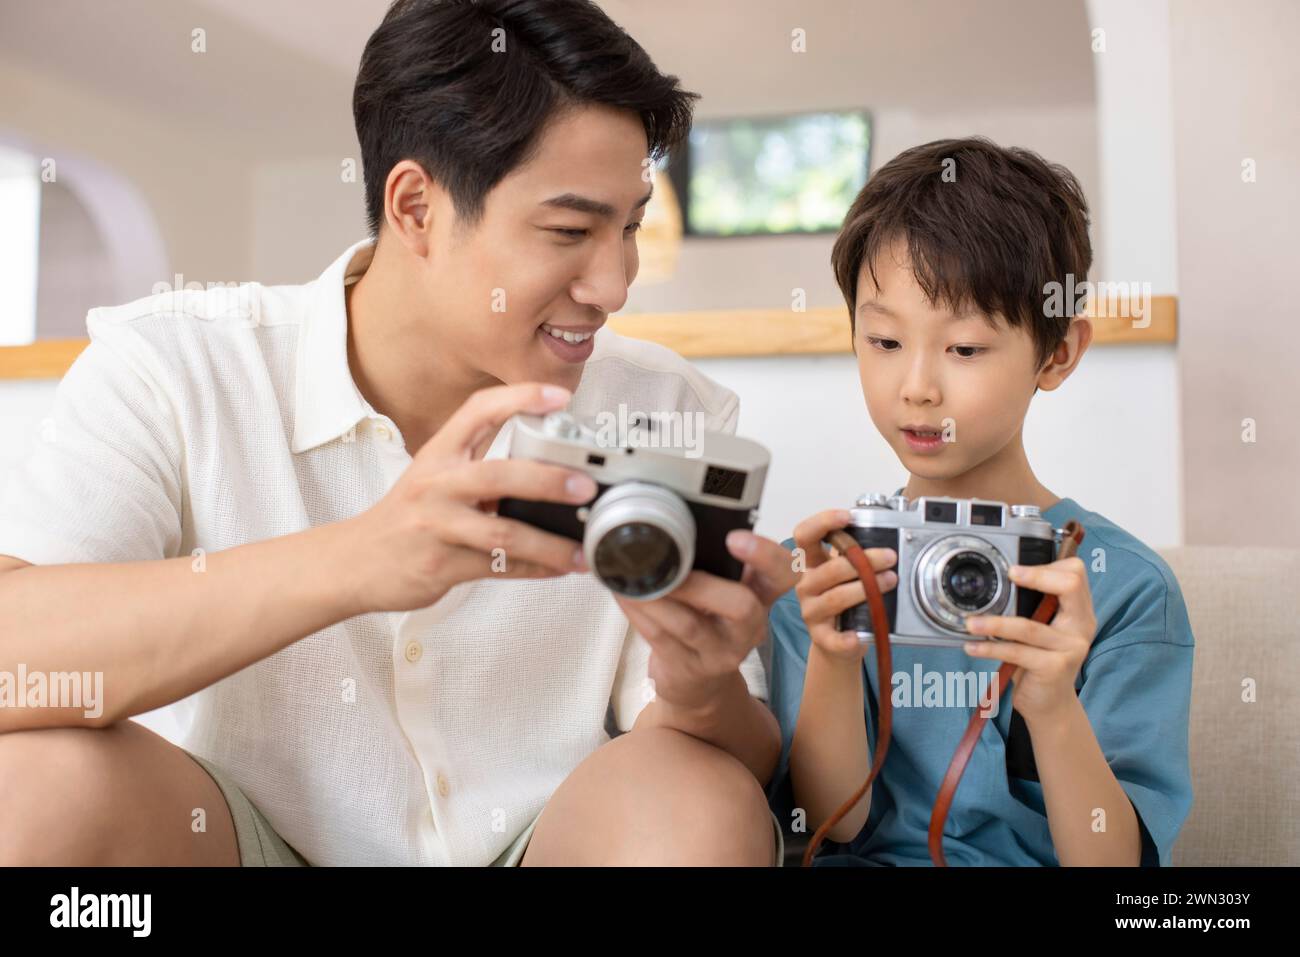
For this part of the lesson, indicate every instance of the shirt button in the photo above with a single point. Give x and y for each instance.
(444, 786)
(383, 432)
(413, 651)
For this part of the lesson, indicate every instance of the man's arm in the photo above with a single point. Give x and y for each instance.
(161, 630)
(734, 721)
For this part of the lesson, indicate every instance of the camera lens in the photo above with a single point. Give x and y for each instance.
(637, 559)
(640, 540)
(960, 575)
(969, 580)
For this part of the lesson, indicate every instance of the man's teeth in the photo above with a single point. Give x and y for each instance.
(567, 336)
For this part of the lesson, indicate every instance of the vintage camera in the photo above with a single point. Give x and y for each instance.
(953, 558)
(661, 509)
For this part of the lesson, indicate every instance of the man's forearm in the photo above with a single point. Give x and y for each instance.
(1077, 783)
(735, 721)
(161, 630)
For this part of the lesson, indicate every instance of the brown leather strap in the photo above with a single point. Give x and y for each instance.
(847, 546)
(1006, 676)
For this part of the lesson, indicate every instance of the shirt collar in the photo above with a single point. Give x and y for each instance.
(327, 402)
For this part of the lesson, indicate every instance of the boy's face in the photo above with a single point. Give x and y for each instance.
(555, 250)
(965, 381)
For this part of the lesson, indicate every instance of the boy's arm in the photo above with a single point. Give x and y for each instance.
(829, 757)
(1113, 759)
(1091, 818)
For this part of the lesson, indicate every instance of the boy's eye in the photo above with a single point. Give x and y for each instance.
(968, 352)
(632, 228)
(884, 345)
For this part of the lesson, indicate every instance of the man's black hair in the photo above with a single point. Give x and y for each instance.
(465, 88)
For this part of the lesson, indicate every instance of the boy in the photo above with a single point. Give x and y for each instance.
(282, 510)
(945, 260)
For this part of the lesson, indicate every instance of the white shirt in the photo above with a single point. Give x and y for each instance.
(216, 418)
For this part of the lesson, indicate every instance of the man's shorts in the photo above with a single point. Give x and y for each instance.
(260, 846)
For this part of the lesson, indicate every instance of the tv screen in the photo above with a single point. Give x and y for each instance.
(771, 175)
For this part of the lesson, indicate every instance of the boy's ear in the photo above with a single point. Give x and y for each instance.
(1066, 355)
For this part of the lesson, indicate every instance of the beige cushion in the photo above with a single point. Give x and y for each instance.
(1244, 606)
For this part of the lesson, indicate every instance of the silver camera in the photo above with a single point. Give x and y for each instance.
(661, 509)
(953, 559)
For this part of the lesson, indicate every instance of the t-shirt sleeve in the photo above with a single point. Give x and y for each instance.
(100, 481)
(790, 643)
(1136, 690)
(633, 688)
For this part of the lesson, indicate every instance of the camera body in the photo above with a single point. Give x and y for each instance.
(953, 561)
(660, 511)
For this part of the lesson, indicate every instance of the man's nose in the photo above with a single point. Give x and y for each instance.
(604, 284)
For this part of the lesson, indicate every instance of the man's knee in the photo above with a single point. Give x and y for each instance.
(52, 781)
(659, 796)
(115, 795)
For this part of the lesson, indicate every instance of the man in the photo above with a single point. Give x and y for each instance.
(283, 511)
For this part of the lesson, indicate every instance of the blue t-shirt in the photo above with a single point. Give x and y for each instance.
(1135, 686)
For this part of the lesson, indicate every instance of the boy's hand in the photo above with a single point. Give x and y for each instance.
(831, 585)
(1049, 656)
(700, 633)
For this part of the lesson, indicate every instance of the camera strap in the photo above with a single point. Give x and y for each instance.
(847, 546)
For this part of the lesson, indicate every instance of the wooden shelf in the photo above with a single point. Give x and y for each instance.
(717, 333)
(776, 332)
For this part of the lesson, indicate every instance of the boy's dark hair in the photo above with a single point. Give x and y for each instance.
(435, 86)
(992, 233)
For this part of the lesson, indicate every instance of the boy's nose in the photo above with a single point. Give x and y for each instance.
(921, 387)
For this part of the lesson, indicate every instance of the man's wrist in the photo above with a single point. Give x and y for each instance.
(334, 545)
(708, 713)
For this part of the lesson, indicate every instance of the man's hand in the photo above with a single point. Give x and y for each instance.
(703, 630)
(1049, 655)
(436, 528)
(831, 584)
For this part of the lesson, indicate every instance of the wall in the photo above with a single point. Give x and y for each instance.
(1235, 75)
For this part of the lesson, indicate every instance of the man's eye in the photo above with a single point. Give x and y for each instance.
(968, 352)
(884, 345)
(571, 233)
(632, 228)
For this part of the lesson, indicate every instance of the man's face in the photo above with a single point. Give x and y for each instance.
(958, 377)
(554, 251)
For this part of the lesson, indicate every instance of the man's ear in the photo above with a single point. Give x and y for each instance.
(1066, 355)
(411, 198)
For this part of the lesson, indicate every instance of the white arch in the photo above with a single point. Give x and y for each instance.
(131, 234)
